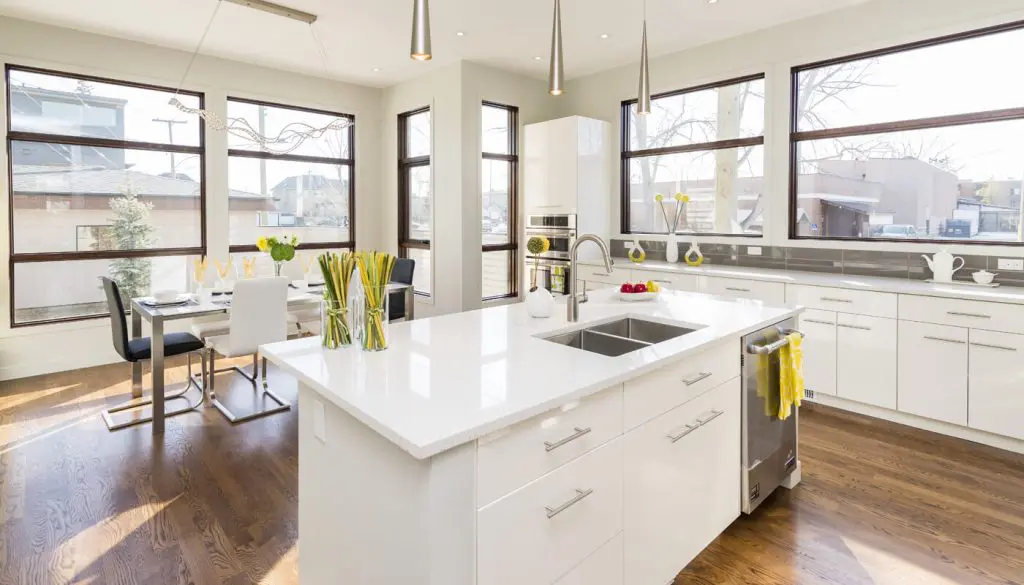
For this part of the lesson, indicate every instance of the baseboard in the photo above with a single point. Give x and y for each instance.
(927, 424)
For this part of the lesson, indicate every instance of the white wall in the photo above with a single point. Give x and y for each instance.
(32, 350)
(878, 24)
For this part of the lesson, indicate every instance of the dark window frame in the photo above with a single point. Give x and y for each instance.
(13, 136)
(405, 166)
(797, 136)
(349, 161)
(626, 154)
(512, 246)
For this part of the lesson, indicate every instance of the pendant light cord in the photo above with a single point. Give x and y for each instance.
(195, 53)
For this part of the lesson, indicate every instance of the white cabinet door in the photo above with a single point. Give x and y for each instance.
(669, 280)
(769, 292)
(866, 359)
(997, 383)
(933, 371)
(682, 484)
(551, 153)
(535, 171)
(819, 329)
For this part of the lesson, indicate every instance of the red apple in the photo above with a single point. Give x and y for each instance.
(626, 288)
(640, 288)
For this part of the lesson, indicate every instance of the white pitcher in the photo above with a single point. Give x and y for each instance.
(943, 265)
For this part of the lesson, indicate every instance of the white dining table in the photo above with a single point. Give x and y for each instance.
(196, 307)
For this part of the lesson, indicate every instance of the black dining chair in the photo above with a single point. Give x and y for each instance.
(141, 349)
(401, 274)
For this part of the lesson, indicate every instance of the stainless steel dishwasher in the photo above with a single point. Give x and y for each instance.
(769, 444)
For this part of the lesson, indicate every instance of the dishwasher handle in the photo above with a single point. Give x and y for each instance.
(773, 346)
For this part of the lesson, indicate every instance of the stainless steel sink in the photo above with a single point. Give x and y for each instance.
(594, 342)
(619, 337)
(640, 330)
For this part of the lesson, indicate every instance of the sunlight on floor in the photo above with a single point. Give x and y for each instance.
(885, 567)
(286, 569)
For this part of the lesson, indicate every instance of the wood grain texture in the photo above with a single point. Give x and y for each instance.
(879, 504)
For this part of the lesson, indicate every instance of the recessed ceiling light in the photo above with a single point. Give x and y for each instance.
(604, 36)
(376, 69)
(537, 58)
(460, 34)
(712, 1)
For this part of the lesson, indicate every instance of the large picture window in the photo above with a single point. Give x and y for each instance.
(705, 142)
(106, 179)
(919, 142)
(415, 218)
(499, 198)
(309, 192)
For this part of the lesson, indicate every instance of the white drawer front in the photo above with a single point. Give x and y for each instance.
(997, 383)
(959, 313)
(520, 454)
(599, 274)
(545, 529)
(649, 396)
(604, 567)
(670, 280)
(769, 292)
(874, 304)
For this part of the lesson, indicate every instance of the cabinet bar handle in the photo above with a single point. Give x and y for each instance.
(686, 431)
(861, 327)
(705, 419)
(737, 289)
(663, 281)
(990, 346)
(944, 340)
(580, 494)
(549, 446)
(972, 315)
(835, 300)
(818, 322)
(697, 378)
(601, 274)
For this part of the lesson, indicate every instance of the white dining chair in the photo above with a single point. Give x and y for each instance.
(259, 315)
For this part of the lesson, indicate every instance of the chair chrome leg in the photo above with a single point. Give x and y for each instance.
(264, 372)
(253, 378)
(134, 403)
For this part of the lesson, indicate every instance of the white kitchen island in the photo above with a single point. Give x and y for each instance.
(473, 451)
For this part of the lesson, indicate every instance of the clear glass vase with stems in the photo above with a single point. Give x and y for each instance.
(335, 324)
(373, 318)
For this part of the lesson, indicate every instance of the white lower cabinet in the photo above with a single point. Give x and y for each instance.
(866, 359)
(682, 484)
(819, 329)
(933, 371)
(604, 567)
(997, 383)
(668, 280)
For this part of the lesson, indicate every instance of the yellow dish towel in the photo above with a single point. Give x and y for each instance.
(766, 390)
(791, 375)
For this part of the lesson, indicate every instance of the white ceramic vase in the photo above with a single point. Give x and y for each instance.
(672, 249)
(539, 303)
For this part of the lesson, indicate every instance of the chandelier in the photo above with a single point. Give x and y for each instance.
(292, 135)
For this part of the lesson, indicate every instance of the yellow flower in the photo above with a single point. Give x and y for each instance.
(685, 199)
(261, 244)
(659, 197)
(679, 196)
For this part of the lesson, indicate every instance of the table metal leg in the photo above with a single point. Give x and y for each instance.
(158, 375)
(410, 303)
(136, 366)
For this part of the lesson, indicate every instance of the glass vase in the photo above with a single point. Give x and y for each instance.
(277, 267)
(373, 318)
(335, 329)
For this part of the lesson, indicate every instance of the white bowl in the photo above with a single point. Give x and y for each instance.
(637, 297)
(983, 277)
(165, 296)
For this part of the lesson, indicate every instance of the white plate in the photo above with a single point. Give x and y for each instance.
(637, 297)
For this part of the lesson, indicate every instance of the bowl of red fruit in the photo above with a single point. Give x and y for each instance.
(640, 291)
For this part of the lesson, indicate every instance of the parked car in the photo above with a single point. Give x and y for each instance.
(957, 228)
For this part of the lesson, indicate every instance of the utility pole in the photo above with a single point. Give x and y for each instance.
(170, 137)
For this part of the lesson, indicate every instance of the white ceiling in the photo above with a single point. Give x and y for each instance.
(361, 35)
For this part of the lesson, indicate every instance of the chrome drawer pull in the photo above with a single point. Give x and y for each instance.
(697, 378)
(861, 327)
(715, 413)
(600, 274)
(549, 446)
(990, 346)
(972, 315)
(663, 281)
(580, 494)
(818, 322)
(737, 289)
(944, 340)
(686, 431)
(835, 300)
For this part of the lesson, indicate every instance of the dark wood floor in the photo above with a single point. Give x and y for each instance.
(879, 504)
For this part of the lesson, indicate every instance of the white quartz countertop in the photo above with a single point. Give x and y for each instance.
(448, 380)
(848, 281)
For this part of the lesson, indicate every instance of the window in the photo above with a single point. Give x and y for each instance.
(106, 179)
(705, 142)
(415, 195)
(918, 142)
(308, 192)
(500, 151)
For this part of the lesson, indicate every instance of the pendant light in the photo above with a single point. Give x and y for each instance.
(420, 50)
(643, 105)
(556, 73)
